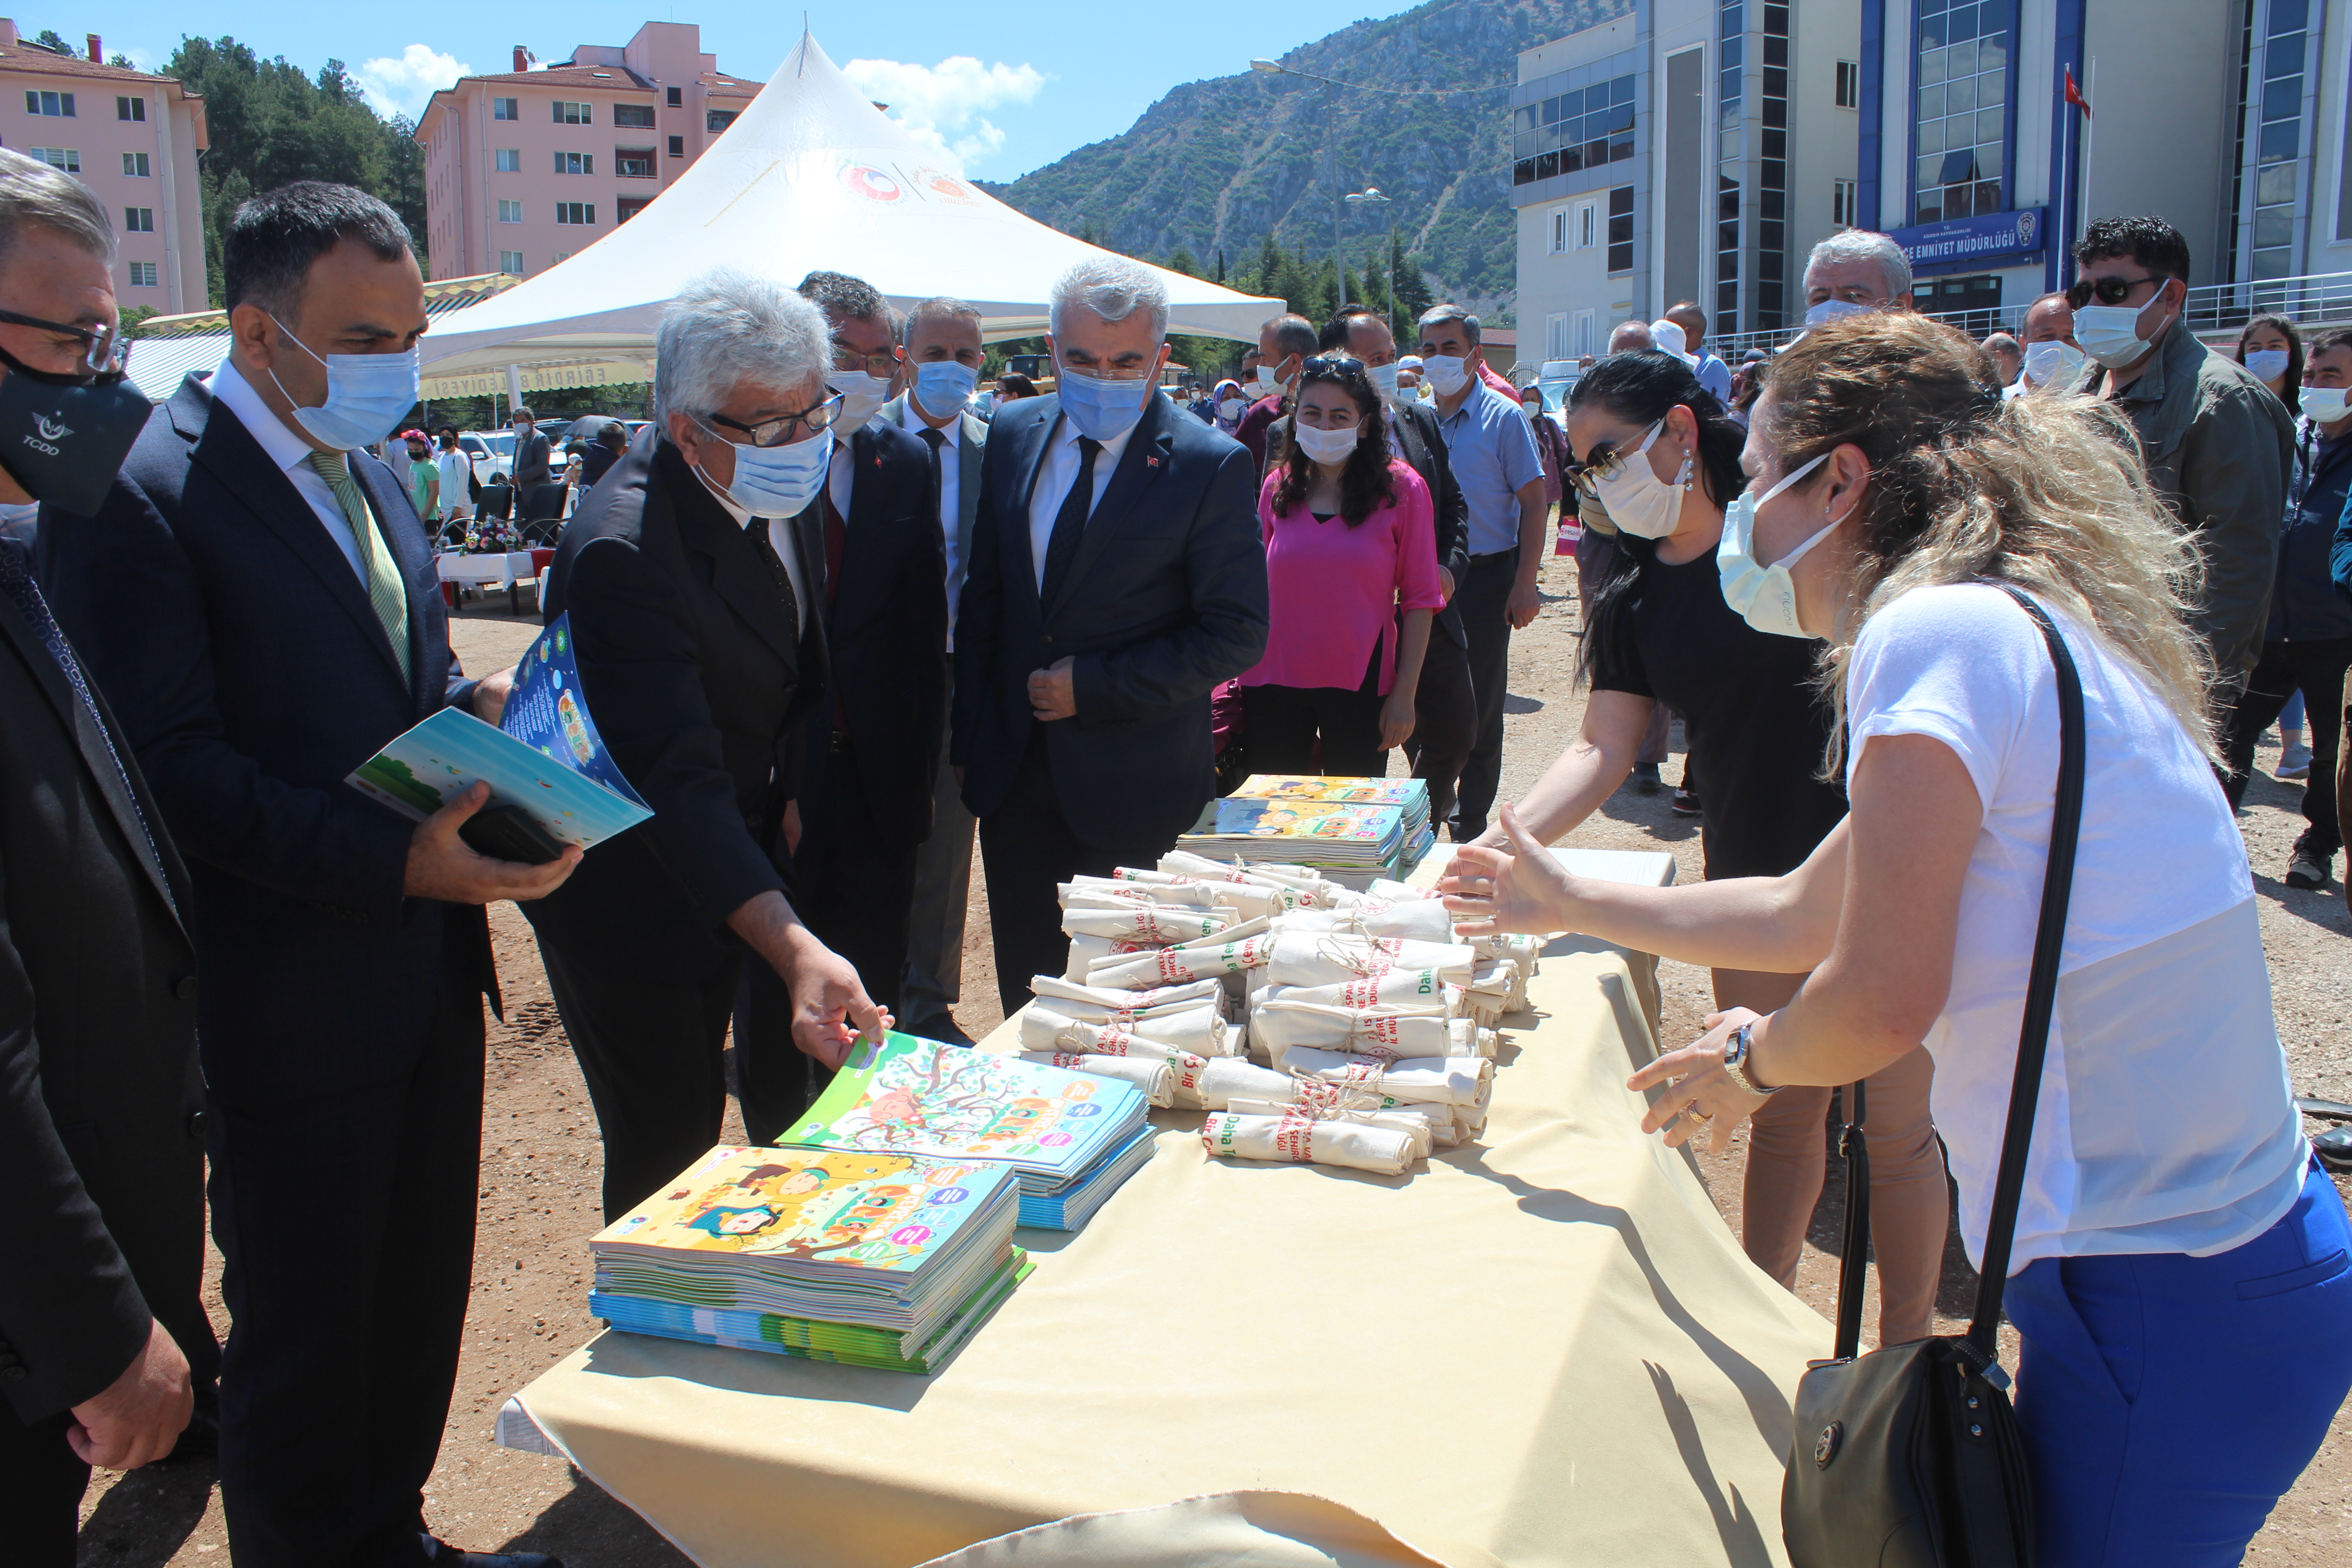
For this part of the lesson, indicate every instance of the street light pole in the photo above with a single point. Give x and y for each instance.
(1370, 196)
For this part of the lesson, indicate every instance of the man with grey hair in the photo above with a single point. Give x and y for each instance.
(1627, 336)
(1284, 343)
(694, 575)
(941, 355)
(1855, 270)
(1116, 578)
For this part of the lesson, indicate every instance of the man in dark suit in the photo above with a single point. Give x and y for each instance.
(256, 601)
(1444, 709)
(532, 453)
(1116, 578)
(104, 1340)
(694, 575)
(874, 747)
(941, 355)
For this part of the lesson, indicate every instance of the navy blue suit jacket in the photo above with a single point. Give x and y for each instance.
(240, 654)
(1165, 598)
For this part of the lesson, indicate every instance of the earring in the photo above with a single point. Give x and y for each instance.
(1684, 478)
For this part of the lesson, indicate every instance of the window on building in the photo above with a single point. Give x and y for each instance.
(130, 109)
(560, 258)
(1556, 335)
(1960, 101)
(627, 208)
(505, 109)
(135, 165)
(1972, 304)
(510, 262)
(1559, 221)
(677, 146)
(138, 220)
(66, 158)
(718, 120)
(1574, 131)
(1588, 224)
(580, 213)
(1752, 177)
(575, 162)
(633, 163)
(509, 211)
(1581, 341)
(143, 275)
(2270, 117)
(1849, 84)
(574, 113)
(640, 115)
(1842, 200)
(1620, 229)
(510, 160)
(52, 103)
(676, 99)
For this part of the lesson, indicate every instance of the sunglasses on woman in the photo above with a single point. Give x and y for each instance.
(1607, 463)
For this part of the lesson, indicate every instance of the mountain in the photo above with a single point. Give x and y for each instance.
(1219, 166)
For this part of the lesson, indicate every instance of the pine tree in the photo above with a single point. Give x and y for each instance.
(1221, 263)
(1181, 260)
(1413, 298)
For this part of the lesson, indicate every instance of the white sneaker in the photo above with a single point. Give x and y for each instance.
(2295, 764)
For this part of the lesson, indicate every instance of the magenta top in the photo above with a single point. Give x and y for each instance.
(1334, 591)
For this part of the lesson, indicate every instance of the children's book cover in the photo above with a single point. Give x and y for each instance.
(1302, 786)
(548, 712)
(1292, 817)
(909, 1096)
(878, 1211)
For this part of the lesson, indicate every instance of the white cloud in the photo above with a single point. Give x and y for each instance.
(402, 86)
(943, 104)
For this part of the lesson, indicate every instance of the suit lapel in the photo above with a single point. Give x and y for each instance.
(971, 449)
(1139, 468)
(739, 572)
(409, 552)
(1030, 447)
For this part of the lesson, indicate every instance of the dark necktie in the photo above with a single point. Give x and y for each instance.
(1070, 523)
(935, 439)
(24, 594)
(758, 531)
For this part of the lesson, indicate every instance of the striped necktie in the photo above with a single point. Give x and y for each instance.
(386, 593)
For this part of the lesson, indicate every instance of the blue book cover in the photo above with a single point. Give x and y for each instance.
(548, 712)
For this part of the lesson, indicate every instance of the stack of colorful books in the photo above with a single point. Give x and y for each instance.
(1353, 830)
(872, 1259)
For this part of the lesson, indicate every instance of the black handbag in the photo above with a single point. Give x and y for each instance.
(1911, 1456)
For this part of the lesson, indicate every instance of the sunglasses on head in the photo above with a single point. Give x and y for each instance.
(2107, 290)
(1333, 364)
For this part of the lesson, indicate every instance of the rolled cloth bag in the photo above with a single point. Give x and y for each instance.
(1152, 1075)
(1158, 924)
(1199, 1027)
(1299, 1139)
(1258, 925)
(1327, 958)
(1418, 917)
(1405, 990)
(1415, 1120)
(1176, 965)
(1453, 1081)
(1226, 1077)
(1377, 1031)
(1190, 994)
(1295, 886)
(1051, 1035)
(1086, 952)
(1189, 895)
(1251, 900)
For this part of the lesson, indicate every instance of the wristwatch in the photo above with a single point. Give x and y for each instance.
(1734, 1061)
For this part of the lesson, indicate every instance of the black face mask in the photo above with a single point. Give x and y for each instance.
(64, 437)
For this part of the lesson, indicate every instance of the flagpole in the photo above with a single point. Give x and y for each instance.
(2069, 202)
(2090, 135)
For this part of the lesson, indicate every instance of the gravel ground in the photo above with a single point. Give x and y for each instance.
(539, 1184)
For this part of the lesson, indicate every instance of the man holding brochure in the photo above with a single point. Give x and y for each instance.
(256, 600)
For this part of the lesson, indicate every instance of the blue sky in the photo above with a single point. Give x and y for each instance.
(1004, 87)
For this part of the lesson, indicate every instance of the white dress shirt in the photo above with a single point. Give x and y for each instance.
(780, 534)
(1056, 474)
(231, 391)
(841, 473)
(456, 469)
(951, 487)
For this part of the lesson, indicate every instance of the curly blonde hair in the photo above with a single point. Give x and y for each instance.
(2047, 492)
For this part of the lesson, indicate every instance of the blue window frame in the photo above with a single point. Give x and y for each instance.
(1963, 108)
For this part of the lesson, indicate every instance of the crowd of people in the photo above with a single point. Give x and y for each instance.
(838, 616)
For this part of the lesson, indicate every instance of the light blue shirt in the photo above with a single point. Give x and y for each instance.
(1493, 450)
(1716, 376)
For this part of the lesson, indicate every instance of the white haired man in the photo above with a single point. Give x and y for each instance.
(694, 576)
(1855, 270)
(1115, 577)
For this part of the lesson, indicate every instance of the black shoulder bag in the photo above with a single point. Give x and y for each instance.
(1910, 1456)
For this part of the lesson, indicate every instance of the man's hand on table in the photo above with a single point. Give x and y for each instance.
(1054, 691)
(444, 866)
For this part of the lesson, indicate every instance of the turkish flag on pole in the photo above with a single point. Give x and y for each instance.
(2075, 95)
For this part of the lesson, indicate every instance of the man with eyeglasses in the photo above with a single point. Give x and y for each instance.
(256, 601)
(695, 577)
(2218, 445)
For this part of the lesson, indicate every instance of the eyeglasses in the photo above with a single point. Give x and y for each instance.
(1590, 476)
(880, 366)
(2109, 291)
(780, 431)
(104, 348)
(1138, 372)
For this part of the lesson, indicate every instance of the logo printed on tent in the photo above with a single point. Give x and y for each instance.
(871, 183)
(940, 183)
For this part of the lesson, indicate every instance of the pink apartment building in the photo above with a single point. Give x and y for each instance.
(133, 139)
(522, 170)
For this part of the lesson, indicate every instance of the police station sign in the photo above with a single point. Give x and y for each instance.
(1969, 238)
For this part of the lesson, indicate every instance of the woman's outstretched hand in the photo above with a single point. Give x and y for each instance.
(1522, 887)
(1700, 1096)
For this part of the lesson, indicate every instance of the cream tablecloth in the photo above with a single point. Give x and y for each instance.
(1544, 1349)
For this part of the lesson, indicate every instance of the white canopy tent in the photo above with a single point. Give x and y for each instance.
(811, 177)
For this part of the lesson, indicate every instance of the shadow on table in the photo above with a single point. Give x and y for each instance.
(589, 1525)
(1743, 1538)
(622, 1355)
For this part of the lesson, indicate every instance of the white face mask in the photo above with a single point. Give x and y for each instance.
(1323, 445)
(862, 396)
(1763, 597)
(2110, 334)
(1637, 500)
(2322, 404)
(1829, 311)
(2052, 363)
(1447, 372)
(1233, 408)
(1268, 385)
(1384, 381)
(2267, 364)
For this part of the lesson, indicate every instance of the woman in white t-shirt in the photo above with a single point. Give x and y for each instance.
(2179, 1273)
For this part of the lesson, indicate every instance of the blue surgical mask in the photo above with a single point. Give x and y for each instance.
(943, 386)
(780, 481)
(1101, 409)
(2267, 364)
(1763, 597)
(1829, 311)
(367, 395)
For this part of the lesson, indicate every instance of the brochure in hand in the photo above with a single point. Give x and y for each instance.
(543, 761)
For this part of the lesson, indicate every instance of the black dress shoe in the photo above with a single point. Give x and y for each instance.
(942, 1029)
(441, 1554)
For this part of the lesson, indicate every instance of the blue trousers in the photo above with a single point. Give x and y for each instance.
(2169, 1400)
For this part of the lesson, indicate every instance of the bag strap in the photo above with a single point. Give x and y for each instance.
(1853, 1254)
(2041, 987)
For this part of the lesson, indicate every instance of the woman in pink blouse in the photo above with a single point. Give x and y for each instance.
(1350, 541)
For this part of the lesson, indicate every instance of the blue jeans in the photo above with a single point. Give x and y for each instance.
(2169, 1400)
